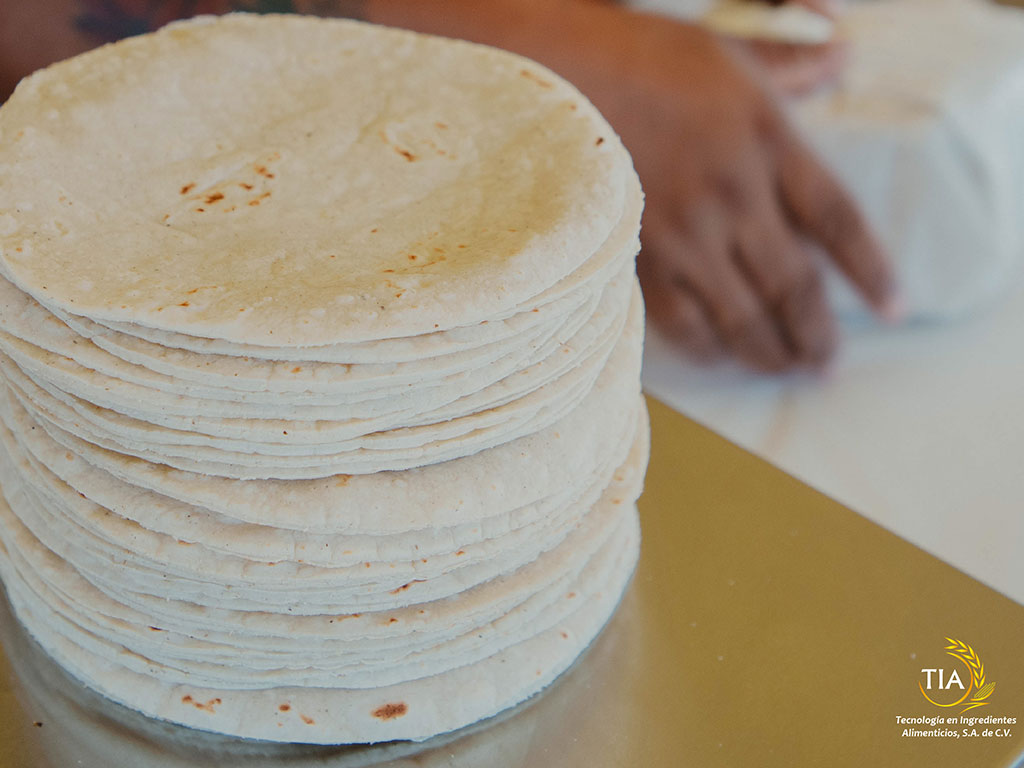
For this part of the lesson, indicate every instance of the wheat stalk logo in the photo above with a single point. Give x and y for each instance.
(978, 690)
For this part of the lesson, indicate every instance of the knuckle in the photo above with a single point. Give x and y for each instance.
(741, 323)
(838, 218)
(802, 288)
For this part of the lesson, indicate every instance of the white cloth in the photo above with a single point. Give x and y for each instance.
(924, 129)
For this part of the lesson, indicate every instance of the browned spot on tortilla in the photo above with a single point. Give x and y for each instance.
(200, 210)
(183, 304)
(166, 216)
(342, 480)
(388, 271)
(262, 171)
(442, 126)
(374, 231)
(413, 257)
(207, 707)
(571, 595)
(536, 310)
(214, 197)
(156, 629)
(392, 620)
(565, 635)
(406, 586)
(37, 724)
(616, 501)
(572, 107)
(391, 711)
(254, 202)
(188, 188)
(242, 309)
(68, 456)
(296, 369)
(460, 553)
(285, 707)
(243, 185)
(600, 141)
(308, 720)
(461, 245)
(406, 154)
(536, 78)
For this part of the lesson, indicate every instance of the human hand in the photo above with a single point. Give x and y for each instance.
(733, 197)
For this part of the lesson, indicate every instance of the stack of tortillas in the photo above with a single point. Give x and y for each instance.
(321, 348)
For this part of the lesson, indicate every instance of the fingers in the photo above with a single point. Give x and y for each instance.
(678, 313)
(790, 285)
(696, 291)
(820, 207)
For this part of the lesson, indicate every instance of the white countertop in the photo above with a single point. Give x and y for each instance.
(920, 429)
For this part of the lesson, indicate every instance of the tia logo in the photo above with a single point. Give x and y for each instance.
(946, 688)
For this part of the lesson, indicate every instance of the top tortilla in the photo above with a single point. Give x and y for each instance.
(291, 181)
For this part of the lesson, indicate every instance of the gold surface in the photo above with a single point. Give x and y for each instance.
(767, 626)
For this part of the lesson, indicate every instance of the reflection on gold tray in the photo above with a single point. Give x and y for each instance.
(767, 626)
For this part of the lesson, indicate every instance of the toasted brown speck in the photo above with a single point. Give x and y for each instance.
(342, 480)
(600, 141)
(243, 185)
(207, 707)
(536, 78)
(183, 304)
(390, 711)
(308, 720)
(213, 198)
(188, 188)
(406, 586)
(285, 707)
(296, 369)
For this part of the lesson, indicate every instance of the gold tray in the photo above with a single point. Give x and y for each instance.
(766, 626)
